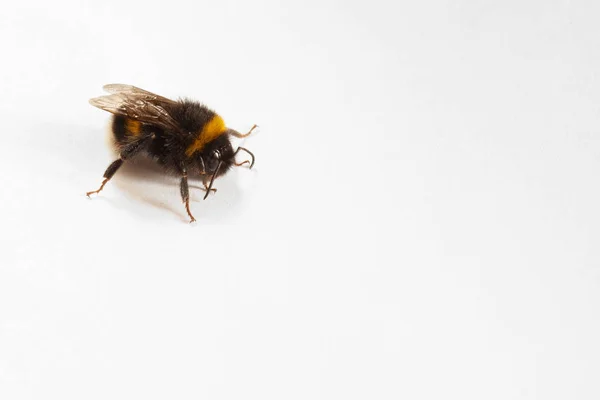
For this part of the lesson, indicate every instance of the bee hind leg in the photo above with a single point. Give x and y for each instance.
(125, 153)
(110, 171)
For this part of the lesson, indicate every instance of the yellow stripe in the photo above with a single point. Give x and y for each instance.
(213, 129)
(133, 127)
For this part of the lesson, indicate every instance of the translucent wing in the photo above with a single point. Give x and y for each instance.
(136, 91)
(138, 104)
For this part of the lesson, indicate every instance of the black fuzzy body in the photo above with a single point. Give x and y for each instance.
(168, 148)
(184, 137)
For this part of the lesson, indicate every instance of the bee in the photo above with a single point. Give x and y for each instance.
(184, 136)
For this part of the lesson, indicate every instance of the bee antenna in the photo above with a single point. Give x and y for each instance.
(203, 166)
(212, 179)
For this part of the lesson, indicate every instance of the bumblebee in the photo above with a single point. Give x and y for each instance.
(183, 136)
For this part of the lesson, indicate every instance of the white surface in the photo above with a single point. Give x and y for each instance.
(422, 222)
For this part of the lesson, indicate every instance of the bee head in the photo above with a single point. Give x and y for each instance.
(217, 156)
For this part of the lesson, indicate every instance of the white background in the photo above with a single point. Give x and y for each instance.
(422, 221)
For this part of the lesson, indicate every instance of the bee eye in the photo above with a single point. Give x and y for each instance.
(216, 154)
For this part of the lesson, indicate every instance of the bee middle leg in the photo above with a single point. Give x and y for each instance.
(126, 152)
(242, 135)
(185, 194)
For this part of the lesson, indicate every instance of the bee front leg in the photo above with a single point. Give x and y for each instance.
(185, 195)
(214, 190)
(247, 161)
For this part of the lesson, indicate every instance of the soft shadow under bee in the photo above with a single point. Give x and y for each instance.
(142, 179)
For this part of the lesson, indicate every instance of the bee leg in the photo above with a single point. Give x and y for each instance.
(212, 179)
(185, 195)
(110, 171)
(126, 152)
(244, 162)
(214, 190)
(242, 135)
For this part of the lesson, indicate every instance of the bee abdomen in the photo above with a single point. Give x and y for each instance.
(124, 129)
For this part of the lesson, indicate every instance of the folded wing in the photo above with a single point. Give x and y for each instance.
(137, 104)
